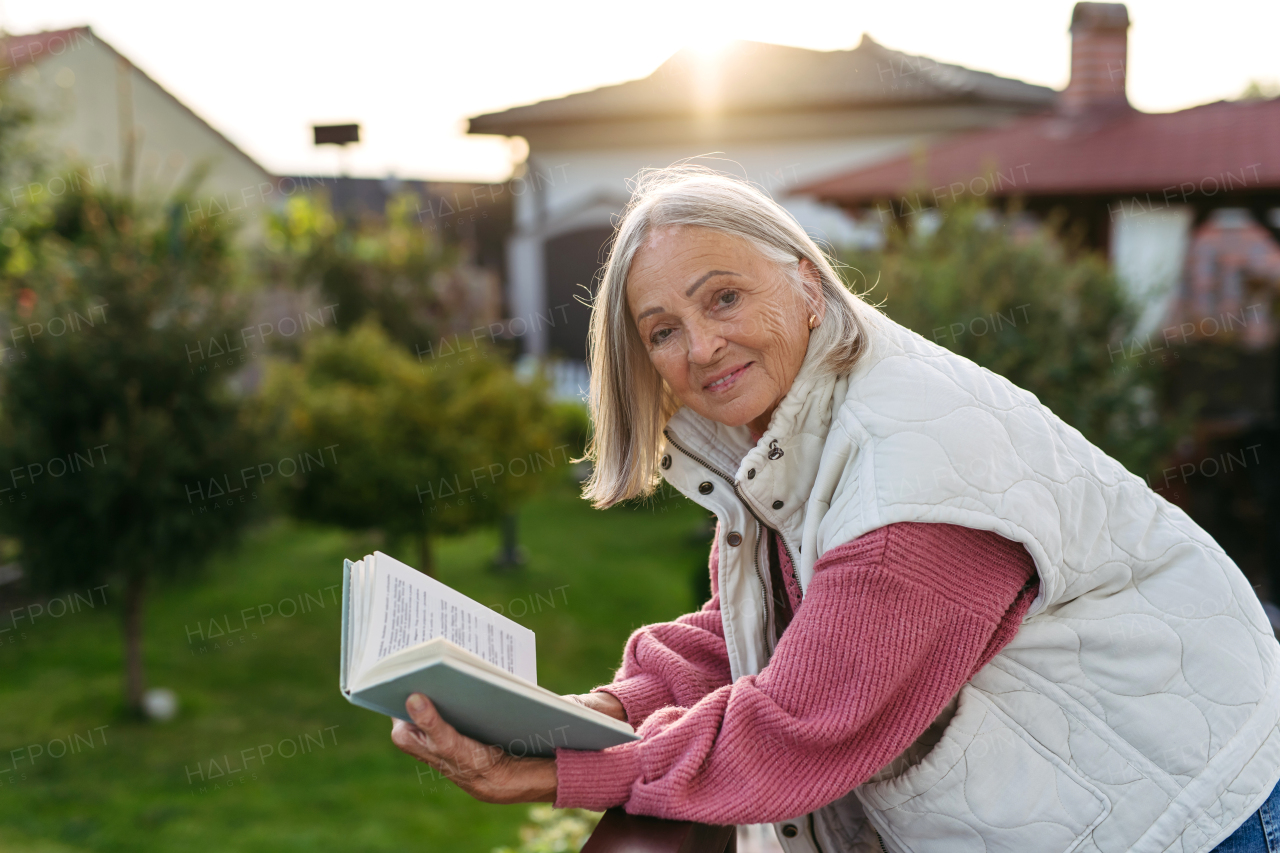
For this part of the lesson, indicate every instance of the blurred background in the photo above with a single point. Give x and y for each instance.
(281, 286)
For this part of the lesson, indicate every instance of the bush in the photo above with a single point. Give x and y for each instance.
(420, 448)
(389, 269)
(554, 830)
(1026, 306)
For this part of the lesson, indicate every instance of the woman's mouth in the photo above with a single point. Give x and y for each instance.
(728, 380)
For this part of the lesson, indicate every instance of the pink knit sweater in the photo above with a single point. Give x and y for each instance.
(891, 627)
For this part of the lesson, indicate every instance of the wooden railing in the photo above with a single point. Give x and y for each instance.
(619, 832)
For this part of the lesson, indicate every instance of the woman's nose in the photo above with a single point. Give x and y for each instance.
(705, 340)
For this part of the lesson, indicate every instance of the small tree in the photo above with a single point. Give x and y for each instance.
(1051, 320)
(388, 268)
(112, 295)
(422, 448)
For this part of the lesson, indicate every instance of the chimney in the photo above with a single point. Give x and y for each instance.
(1099, 53)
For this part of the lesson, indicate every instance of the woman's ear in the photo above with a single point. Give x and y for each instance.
(812, 280)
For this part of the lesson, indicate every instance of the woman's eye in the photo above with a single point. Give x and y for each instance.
(659, 336)
(727, 298)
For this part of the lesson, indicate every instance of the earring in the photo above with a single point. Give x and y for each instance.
(813, 321)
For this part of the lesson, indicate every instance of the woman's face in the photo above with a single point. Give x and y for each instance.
(721, 322)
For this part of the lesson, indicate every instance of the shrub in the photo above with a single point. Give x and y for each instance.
(1050, 319)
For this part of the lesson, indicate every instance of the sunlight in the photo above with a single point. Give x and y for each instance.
(709, 49)
(708, 55)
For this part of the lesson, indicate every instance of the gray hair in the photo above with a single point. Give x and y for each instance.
(629, 402)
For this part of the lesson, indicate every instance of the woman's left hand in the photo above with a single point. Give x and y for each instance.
(485, 772)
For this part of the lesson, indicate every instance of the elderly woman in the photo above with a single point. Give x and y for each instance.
(941, 619)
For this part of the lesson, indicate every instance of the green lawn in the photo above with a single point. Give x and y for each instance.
(137, 787)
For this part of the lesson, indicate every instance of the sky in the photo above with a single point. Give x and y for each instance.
(410, 73)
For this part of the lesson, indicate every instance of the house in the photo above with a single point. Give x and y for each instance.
(781, 116)
(102, 118)
(1186, 205)
(1141, 184)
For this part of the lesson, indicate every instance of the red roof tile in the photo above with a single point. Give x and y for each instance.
(1232, 143)
(16, 51)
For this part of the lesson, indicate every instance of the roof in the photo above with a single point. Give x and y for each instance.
(19, 50)
(1232, 143)
(756, 77)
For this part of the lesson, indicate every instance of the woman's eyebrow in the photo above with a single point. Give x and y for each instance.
(700, 281)
(689, 292)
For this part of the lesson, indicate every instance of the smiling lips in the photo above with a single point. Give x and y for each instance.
(727, 380)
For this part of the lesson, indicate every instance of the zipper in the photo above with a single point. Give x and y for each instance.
(764, 590)
(760, 527)
(760, 521)
(813, 833)
(764, 594)
(778, 533)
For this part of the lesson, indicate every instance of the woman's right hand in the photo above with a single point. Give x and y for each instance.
(605, 703)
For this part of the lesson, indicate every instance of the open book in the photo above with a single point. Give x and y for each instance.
(404, 632)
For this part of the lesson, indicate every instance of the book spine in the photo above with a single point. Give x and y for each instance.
(346, 626)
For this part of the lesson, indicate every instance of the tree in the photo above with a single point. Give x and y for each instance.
(387, 268)
(422, 448)
(1025, 305)
(113, 436)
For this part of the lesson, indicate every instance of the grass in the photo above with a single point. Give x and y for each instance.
(592, 577)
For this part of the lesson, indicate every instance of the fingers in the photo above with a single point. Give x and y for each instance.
(439, 744)
(602, 701)
(485, 772)
(413, 741)
(425, 716)
(428, 737)
(607, 703)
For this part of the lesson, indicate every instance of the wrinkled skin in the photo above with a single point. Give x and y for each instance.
(728, 331)
(722, 323)
(485, 772)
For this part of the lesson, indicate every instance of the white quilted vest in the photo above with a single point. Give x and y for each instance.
(1135, 710)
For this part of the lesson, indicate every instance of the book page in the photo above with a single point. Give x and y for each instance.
(409, 608)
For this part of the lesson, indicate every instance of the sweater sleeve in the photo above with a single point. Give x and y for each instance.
(891, 628)
(674, 663)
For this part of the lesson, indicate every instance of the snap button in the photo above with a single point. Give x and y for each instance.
(666, 461)
(751, 475)
(705, 488)
(777, 504)
(789, 830)
(775, 452)
(735, 539)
